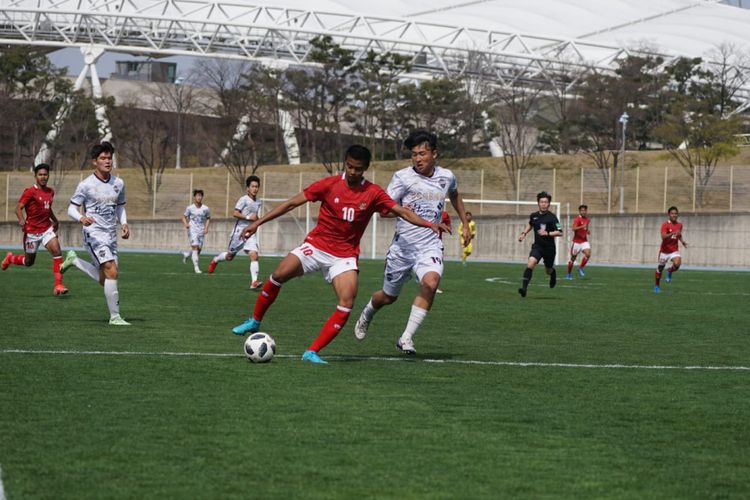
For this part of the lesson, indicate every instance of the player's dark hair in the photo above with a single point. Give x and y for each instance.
(583, 206)
(251, 179)
(102, 147)
(421, 136)
(196, 191)
(469, 213)
(359, 153)
(544, 194)
(673, 208)
(42, 166)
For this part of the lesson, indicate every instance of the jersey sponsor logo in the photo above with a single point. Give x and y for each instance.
(335, 200)
(442, 183)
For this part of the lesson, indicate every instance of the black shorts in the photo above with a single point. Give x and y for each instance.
(544, 253)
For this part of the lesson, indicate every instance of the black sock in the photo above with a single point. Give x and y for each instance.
(527, 277)
(553, 278)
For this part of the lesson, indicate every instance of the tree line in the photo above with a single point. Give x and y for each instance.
(229, 112)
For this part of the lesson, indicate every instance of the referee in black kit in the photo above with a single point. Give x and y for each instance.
(546, 228)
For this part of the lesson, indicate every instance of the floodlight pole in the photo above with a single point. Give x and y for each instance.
(624, 123)
(178, 154)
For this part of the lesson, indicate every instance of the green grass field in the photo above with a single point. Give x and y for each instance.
(596, 389)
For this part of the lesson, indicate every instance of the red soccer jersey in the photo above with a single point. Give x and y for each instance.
(445, 218)
(581, 235)
(38, 205)
(670, 245)
(344, 213)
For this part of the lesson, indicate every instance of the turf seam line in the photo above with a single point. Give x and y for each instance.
(520, 364)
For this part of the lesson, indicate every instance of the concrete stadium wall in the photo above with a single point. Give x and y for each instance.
(716, 240)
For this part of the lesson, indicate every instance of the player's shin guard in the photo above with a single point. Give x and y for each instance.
(416, 317)
(112, 296)
(87, 268)
(194, 257)
(333, 326)
(18, 260)
(266, 297)
(570, 266)
(56, 263)
(254, 269)
(583, 263)
(527, 277)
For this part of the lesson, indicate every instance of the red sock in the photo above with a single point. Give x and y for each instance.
(583, 262)
(332, 328)
(18, 260)
(56, 262)
(570, 266)
(657, 276)
(671, 269)
(266, 297)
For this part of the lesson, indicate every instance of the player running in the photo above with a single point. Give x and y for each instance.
(467, 245)
(580, 242)
(546, 228)
(39, 226)
(348, 201)
(421, 188)
(102, 196)
(245, 211)
(196, 220)
(671, 235)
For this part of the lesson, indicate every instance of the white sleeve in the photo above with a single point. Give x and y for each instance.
(73, 212)
(396, 188)
(121, 214)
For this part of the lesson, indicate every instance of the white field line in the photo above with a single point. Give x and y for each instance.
(521, 364)
(2, 490)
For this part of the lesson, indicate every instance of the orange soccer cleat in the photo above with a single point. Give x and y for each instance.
(211, 267)
(6, 261)
(60, 289)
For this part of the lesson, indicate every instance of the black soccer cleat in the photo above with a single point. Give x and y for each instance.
(552, 280)
(522, 291)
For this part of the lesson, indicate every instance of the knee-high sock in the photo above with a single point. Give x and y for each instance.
(266, 297)
(18, 260)
(369, 311)
(220, 257)
(583, 262)
(527, 277)
(416, 317)
(87, 268)
(56, 263)
(672, 269)
(254, 268)
(112, 296)
(570, 265)
(333, 326)
(194, 258)
(657, 275)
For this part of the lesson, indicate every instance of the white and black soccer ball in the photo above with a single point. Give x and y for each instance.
(260, 347)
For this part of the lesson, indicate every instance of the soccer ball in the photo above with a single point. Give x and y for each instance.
(260, 347)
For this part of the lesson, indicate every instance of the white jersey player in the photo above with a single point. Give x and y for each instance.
(421, 188)
(102, 196)
(196, 220)
(245, 211)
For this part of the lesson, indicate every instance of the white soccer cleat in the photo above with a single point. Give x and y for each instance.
(360, 327)
(406, 346)
(117, 320)
(197, 271)
(185, 257)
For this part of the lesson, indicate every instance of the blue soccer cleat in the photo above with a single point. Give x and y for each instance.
(657, 289)
(313, 357)
(251, 325)
(581, 273)
(569, 277)
(669, 277)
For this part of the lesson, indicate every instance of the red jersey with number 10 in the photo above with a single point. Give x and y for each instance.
(670, 245)
(581, 235)
(38, 205)
(344, 213)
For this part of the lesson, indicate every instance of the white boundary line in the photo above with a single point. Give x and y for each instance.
(521, 364)
(2, 490)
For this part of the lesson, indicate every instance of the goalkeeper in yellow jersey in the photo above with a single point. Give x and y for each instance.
(468, 246)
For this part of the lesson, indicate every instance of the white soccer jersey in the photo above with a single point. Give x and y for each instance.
(197, 217)
(426, 197)
(100, 200)
(247, 206)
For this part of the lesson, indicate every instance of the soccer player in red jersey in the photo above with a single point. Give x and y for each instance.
(580, 242)
(39, 226)
(348, 201)
(671, 235)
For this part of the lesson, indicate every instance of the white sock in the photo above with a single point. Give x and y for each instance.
(186, 254)
(195, 259)
(220, 257)
(369, 311)
(254, 268)
(415, 319)
(112, 296)
(87, 268)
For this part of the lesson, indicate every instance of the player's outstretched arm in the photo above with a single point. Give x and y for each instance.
(415, 219)
(286, 206)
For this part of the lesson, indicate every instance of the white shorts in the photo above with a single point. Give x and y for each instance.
(399, 267)
(314, 259)
(100, 249)
(196, 239)
(666, 257)
(31, 241)
(579, 247)
(236, 243)
(251, 244)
